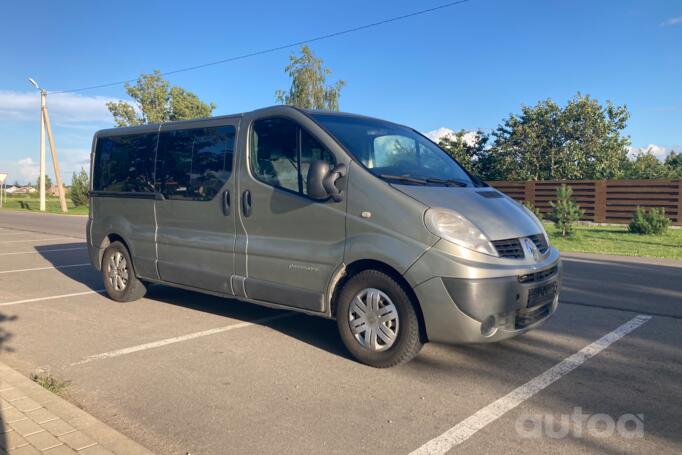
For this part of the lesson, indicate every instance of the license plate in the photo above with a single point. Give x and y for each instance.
(541, 295)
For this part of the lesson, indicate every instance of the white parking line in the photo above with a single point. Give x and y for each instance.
(53, 297)
(56, 250)
(167, 341)
(44, 268)
(38, 240)
(471, 425)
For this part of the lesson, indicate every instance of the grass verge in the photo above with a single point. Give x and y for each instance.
(33, 205)
(617, 240)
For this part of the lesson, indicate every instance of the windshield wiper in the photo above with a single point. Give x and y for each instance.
(450, 182)
(404, 178)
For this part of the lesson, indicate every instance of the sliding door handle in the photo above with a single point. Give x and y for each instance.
(226, 202)
(246, 203)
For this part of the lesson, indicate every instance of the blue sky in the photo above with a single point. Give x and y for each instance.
(468, 66)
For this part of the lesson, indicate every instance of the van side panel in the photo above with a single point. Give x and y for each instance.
(133, 220)
(381, 222)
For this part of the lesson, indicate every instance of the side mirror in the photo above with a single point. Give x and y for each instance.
(317, 172)
(322, 181)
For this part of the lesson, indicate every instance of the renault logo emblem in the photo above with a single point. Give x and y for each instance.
(531, 249)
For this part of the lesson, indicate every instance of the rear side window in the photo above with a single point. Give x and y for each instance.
(125, 163)
(194, 164)
(281, 153)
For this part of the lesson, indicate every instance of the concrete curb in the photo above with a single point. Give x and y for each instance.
(34, 420)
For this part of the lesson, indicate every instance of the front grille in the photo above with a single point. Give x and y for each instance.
(538, 276)
(529, 316)
(540, 242)
(509, 248)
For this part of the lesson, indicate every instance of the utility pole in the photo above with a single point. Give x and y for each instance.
(45, 125)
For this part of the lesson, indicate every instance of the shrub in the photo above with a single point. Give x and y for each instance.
(647, 223)
(565, 212)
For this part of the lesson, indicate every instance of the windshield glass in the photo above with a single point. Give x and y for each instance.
(395, 153)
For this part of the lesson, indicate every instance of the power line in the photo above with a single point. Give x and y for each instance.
(278, 48)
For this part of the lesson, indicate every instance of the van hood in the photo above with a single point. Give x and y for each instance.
(495, 214)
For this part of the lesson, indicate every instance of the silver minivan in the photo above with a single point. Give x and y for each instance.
(335, 215)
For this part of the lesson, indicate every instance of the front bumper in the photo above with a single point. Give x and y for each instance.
(465, 302)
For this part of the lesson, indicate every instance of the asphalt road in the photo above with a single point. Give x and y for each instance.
(182, 372)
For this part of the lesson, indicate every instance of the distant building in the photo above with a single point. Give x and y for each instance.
(25, 190)
(11, 189)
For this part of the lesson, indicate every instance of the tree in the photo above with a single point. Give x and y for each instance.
(469, 149)
(565, 212)
(79, 188)
(582, 140)
(157, 102)
(308, 83)
(48, 182)
(674, 164)
(645, 165)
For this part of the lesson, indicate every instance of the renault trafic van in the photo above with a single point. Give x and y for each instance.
(335, 215)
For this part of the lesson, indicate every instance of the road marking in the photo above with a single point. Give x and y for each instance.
(37, 240)
(471, 425)
(53, 297)
(45, 268)
(167, 341)
(45, 251)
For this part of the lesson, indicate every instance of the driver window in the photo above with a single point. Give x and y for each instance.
(393, 151)
(281, 153)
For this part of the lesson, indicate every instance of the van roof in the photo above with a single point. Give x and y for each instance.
(273, 109)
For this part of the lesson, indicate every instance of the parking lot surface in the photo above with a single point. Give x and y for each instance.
(182, 372)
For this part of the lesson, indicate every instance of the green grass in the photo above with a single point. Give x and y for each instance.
(617, 240)
(32, 204)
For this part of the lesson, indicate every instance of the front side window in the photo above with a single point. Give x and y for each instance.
(281, 153)
(194, 164)
(125, 163)
(395, 153)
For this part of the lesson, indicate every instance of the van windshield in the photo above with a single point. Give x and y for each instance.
(395, 153)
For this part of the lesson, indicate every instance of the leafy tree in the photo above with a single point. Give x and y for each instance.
(309, 89)
(472, 153)
(565, 212)
(582, 140)
(674, 164)
(79, 188)
(157, 102)
(645, 165)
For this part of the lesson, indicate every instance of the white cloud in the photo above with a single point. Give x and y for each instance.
(659, 151)
(64, 108)
(469, 137)
(672, 21)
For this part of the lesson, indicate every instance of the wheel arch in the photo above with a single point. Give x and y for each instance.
(361, 265)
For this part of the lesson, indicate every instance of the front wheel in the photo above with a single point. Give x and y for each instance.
(377, 320)
(119, 275)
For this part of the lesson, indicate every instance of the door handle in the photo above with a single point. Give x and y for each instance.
(246, 203)
(226, 202)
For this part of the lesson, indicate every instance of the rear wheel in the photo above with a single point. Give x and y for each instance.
(377, 320)
(119, 275)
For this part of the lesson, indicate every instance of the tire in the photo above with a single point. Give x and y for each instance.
(118, 274)
(391, 310)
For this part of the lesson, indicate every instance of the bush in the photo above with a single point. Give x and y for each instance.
(653, 222)
(79, 188)
(565, 212)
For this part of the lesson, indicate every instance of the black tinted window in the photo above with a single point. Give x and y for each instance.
(125, 163)
(194, 164)
(275, 157)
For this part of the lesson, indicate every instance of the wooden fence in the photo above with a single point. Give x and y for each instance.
(604, 201)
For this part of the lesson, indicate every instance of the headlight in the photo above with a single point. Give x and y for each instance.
(454, 228)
